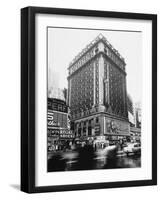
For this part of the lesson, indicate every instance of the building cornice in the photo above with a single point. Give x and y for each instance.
(95, 56)
(104, 113)
(94, 43)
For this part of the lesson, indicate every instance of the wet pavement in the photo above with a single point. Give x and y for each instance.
(87, 159)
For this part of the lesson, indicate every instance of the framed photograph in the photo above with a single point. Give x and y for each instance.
(88, 99)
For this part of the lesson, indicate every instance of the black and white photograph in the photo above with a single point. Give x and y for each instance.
(94, 99)
(89, 86)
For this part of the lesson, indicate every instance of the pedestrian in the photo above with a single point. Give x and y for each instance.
(95, 146)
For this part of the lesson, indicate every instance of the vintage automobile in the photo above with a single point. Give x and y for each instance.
(132, 148)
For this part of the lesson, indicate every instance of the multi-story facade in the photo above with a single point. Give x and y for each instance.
(97, 95)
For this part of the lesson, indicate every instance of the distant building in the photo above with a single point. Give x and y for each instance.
(135, 130)
(130, 110)
(135, 134)
(56, 93)
(65, 93)
(54, 90)
(138, 115)
(97, 95)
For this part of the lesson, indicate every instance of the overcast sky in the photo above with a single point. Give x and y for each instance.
(65, 44)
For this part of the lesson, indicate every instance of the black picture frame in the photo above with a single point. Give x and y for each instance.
(28, 98)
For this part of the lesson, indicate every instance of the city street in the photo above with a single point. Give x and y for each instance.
(93, 122)
(83, 160)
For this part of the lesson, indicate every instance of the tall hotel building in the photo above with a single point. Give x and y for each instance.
(97, 96)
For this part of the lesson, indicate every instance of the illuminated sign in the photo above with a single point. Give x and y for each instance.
(57, 119)
(57, 105)
(66, 136)
(60, 133)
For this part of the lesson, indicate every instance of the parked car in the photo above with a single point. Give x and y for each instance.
(134, 148)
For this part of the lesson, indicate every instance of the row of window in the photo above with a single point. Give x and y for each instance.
(115, 59)
(82, 88)
(89, 122)
(117, 96)
(97, 81)
(82, 61)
